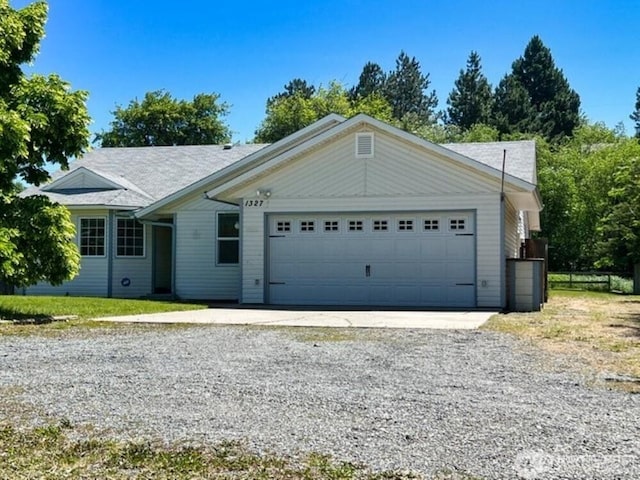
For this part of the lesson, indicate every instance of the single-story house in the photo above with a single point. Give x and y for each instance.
(343, 212)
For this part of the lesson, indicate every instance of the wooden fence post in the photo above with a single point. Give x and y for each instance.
(636, 279)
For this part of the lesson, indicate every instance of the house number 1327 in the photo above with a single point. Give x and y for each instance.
(253, 203)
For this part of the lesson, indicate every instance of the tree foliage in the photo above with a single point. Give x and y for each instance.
(372, 81)
(471, 101)
(41, 120)
(161, 120)
(289, 112)
(536, 97)
(406, 91)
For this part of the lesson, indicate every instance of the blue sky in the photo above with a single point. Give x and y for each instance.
(246, 51)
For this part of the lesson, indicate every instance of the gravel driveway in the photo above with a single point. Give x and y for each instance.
(414, 400)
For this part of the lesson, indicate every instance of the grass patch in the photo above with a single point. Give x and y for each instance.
(49, 452)
(597, 330)
(27, 315)
(23, 308)
(600, 282)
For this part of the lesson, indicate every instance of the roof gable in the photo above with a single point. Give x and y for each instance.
(82, 178)
(360, 122)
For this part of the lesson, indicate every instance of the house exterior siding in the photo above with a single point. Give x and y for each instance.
(93, 278)
(513, 228)
(198, 276)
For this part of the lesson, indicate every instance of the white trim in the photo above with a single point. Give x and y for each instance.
(105, 237)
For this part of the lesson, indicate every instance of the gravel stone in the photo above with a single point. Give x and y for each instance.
(418, 400)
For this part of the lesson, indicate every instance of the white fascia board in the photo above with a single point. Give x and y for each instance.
(274, 149)
(99, 207)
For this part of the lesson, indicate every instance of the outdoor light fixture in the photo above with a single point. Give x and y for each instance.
(263, 193)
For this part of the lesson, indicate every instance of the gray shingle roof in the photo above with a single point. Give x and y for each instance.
(146, 173)
(520, 160)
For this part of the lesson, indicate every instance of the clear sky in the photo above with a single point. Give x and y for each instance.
(247, 51)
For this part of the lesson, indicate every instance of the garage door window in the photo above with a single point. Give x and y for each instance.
(283, 227)
(405, 225)
(356, 225)
(431, 224)
(228, 238)
(380, 225)
(331, 226)
(457, 224)
(307, 226)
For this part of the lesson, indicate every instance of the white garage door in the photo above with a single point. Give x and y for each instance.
(412, 259)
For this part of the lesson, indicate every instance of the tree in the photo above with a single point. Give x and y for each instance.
(372, 81)
(552, 108)
(635, 116)
(618, 245)
(297, 86)
(159, 119)
(288, 113)
(470, 102)
(41, 120)
(405, 91)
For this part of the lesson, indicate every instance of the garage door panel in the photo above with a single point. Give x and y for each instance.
(412, 267)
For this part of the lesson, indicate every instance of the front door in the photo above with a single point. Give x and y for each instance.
(162, 259)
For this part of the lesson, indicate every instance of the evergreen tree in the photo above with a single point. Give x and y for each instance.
(372, 81)
(405, 91)
(553, 107)
(297, 86)
(635, 116)
(470, 102)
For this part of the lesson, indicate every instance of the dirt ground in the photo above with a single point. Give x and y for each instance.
(600, 332)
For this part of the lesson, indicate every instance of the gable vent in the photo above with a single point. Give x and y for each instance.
(364, 145)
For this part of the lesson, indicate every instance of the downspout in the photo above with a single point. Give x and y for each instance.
(111, 230)
(503, 260)
(173, 256)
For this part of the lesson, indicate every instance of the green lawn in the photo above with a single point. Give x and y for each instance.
(43, 309)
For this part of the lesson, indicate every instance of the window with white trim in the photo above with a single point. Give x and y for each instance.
(307, 226)
(130, 238)
(356, 225)
(228, 238)
(457, 224)
(432, 224)
(405, 225)
(92, 236)
(380, 225)
(331, 226)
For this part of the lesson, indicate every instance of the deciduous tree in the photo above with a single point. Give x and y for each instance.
(41, 120)
(159, 119)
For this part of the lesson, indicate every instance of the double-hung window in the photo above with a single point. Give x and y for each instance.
(228, 238)
(92, 237)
